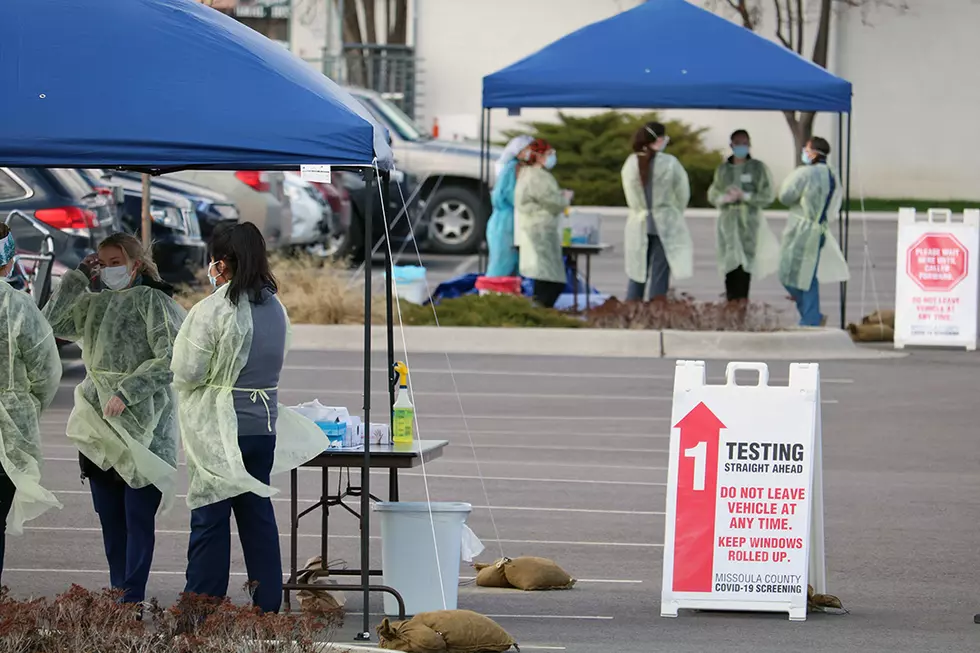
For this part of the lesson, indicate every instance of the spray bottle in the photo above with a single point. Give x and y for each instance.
(403, 419)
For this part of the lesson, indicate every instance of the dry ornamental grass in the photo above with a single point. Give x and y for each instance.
(313, 291)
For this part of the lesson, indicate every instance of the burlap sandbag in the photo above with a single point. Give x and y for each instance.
(491, 575)
(871, 332)
(529, 573)
(409, 636)
(881, 317)
(318, 601)
(467, 632)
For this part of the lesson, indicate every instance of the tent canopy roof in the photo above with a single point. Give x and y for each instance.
(166, 84)
(666, 54)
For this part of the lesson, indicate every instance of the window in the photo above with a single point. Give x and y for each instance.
(11, 189)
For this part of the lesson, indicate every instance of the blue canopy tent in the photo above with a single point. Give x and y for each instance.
(671, 54)
(163, 85)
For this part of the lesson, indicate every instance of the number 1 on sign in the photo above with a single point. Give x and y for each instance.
(700, 455)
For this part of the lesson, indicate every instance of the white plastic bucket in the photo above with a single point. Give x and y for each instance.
(408, 553)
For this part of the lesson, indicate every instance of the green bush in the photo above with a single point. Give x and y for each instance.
(489, 311)
(591, 151)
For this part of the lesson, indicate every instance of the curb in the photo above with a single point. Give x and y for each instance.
(794, 344)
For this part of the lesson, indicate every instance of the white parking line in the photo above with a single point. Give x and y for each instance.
(523, 434)
(355, 502)
(548, 463)
(482, 372)
(639, 545)
(329, 392)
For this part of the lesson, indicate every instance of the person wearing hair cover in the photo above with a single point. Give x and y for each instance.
(809, 253)
(227, 362)
(747, 248)
(538, 205)
(124, 422)
(29, 379)
(502, 260)
(657, 242)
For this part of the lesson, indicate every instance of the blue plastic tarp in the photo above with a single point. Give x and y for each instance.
(466, 285)
(667, 54)
(166, 84)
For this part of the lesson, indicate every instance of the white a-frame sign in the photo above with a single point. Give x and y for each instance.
(744, 524)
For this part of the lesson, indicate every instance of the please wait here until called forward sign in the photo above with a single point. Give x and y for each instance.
(744, 518)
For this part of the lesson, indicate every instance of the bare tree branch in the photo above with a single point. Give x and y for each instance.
(779, 25)
(800, 20)
(399, 29)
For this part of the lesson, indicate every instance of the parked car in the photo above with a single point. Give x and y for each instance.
(259, 196)
(338, 199)
(213, 208)
(403, 225)
(457, 203)
(311, 214)
(178, 249)
(79, 216)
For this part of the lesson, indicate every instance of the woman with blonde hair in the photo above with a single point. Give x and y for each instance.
(124, 422)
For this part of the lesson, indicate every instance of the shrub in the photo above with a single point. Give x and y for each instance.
(591, 151)
(83, 621)
(488, 311)
(313, 291)
(684, 313)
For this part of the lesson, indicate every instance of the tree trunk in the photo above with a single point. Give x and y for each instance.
(399, 29)
(353, 59)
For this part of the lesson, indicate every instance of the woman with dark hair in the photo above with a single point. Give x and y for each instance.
(810, 254)
(657, 241)
(742, 189)
(124, 422)
(227, 361)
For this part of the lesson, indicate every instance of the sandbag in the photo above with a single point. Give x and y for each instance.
(529, 573)
(821, 602)
(467, 632)
(491, 575)
(871, 332)
(881, 317)
(318, 601)
(409, 636)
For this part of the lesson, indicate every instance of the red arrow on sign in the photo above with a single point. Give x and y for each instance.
(697, 492)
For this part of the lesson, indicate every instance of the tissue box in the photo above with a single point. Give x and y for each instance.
(380, 433)
(355, 434)
(579, 229)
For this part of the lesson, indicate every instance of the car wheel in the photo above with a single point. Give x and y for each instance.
(456, 221)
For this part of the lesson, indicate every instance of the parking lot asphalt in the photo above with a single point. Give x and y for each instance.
(570, 456)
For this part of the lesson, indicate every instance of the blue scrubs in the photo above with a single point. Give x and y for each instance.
(128, 519)
(503, 258)
(209, 552)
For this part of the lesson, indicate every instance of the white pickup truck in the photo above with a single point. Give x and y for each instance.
(456, 203)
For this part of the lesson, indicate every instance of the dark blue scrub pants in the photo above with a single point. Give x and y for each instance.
(128, 519)
(658, 273)
(808, 301)
(209, 553)
(7, 490)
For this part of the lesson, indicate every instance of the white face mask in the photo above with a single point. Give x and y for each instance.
(213, 280)
(116, 278)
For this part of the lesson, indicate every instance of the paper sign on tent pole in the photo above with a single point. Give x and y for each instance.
(936, 279)
(744, 520)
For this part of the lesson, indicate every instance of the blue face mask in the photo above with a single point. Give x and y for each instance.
(805, 158)
(551, 161)
(740, 151)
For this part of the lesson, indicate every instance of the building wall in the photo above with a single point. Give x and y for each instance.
(914, 91)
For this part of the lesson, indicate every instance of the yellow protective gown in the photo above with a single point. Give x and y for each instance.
(671, 194)
(744, 237)
(211, 350)
(806, 192)
(538, 205)
(29, 378)
(127, 340)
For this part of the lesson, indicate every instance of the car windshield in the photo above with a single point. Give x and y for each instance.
(395, 118)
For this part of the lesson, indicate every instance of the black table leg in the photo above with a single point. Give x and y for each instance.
(293, 533)
(392, 484)
(324, 517)
(575, 287)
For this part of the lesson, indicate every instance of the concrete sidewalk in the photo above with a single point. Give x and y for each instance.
(792, 344)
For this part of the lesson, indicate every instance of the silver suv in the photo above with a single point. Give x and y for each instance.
(260, 198)
(456, 203)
